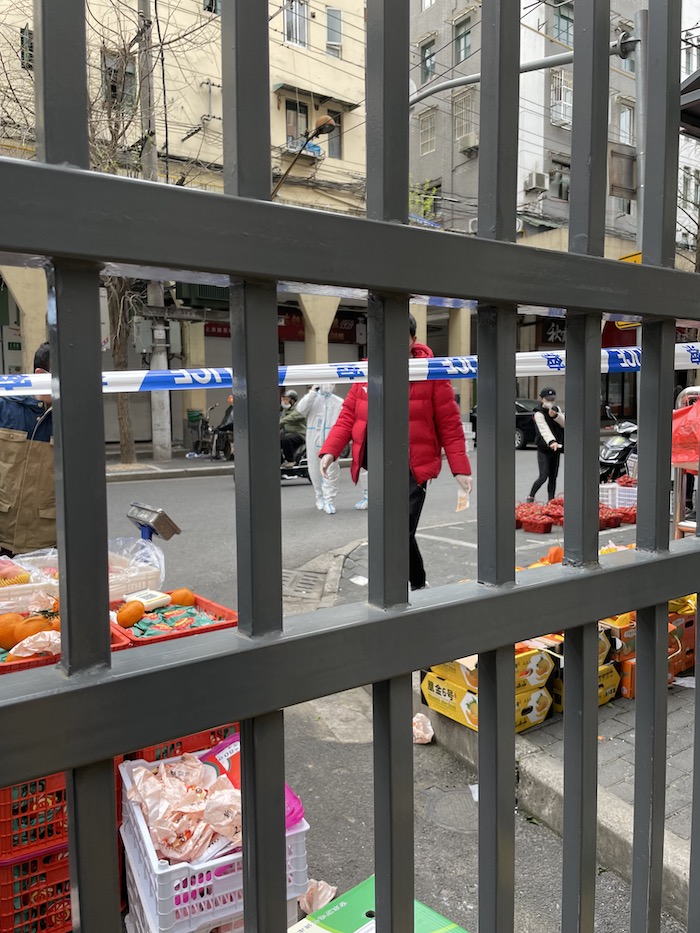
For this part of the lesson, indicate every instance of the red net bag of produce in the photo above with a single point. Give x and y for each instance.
(685, 450)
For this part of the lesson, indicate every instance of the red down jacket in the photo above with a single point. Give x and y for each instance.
(433, 423)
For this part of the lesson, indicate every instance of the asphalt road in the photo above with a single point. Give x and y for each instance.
(203, 557)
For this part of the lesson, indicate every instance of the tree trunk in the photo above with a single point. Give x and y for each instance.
(120, 328)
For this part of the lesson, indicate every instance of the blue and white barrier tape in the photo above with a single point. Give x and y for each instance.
(537, 363)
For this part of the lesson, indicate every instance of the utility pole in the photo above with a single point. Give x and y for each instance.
(160, 401)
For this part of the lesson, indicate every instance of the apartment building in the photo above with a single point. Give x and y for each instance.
(446, 43)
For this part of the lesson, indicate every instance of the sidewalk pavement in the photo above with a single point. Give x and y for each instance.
(540, 754)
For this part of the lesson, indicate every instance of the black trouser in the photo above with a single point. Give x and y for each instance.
(290, 443)
(416, 498)
(548, 464)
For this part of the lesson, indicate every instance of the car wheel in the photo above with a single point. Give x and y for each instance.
(520, 441)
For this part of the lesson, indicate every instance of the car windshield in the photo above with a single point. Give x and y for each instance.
(528, 404)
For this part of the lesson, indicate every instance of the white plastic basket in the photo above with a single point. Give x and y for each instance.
(608, 494)
(137, 921)
(183, 898)
(129, 577)
(626, 497)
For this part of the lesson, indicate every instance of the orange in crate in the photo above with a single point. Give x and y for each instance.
(35, 893)
(226, 618)
(118, 641)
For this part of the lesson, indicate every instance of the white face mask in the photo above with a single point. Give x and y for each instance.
(548, 404)
(286, 406)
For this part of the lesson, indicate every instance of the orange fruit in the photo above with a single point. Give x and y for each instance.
(131, 613)
(8, 621)
(183, 597)
(32, 625)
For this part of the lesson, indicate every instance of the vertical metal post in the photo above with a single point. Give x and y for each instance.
(656, 398)
(245, 69)
(74, 330)
(641, 58)
(587, 237)
(500, 47)
(388, 342)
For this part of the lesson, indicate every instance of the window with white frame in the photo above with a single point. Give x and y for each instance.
(426, 3)
(560, 180)
(564, 23)
(297, 123)
(466, 118)
(296, 14)
(334, 31)
(690, 60)
(626, 124)
(335, 137)
(562, 97)
(463, 40)
(690, 181)
(428, 134)
(427, 61)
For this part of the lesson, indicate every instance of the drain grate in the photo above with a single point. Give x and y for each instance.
(306, 584)
(454, 809)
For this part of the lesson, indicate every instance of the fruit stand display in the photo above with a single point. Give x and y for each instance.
(452, 689)
(618, 505)
(34, 873)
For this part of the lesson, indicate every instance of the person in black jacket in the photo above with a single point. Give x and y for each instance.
(549, 423)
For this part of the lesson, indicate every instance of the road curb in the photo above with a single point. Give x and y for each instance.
(148, 471)
(540, 783)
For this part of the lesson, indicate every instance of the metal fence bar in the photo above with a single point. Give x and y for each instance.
(247, 173)
(500, 47)
(384, 257)
(388, 43)
(586, 237)
(656, 405)
(74, 332)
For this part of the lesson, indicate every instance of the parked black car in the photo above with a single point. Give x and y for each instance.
(524, 421)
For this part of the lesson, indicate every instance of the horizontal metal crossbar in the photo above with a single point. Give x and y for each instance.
(105, 218)
(333, 650)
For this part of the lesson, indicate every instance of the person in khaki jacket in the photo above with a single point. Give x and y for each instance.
(27, 491)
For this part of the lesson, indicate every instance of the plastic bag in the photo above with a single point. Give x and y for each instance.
(134, 564)
(423, 731)
(319, 894)
(41, 643)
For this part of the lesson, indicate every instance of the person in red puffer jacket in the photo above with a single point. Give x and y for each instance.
(434, 424)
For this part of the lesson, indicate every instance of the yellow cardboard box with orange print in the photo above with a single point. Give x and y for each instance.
(532, 706)
(533, 667)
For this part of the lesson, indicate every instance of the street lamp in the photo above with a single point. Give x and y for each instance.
(324, 125)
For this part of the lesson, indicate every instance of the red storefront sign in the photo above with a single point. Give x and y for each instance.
(290, 328)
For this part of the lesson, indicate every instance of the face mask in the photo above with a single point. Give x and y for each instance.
(324, 393)
(548, 404)
(286, 406)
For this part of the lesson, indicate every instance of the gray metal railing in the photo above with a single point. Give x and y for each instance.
(80, 715)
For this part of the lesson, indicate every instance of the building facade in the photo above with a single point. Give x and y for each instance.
(446, 44)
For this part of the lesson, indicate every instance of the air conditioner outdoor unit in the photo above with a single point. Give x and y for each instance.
(468, 141)
(536, 181)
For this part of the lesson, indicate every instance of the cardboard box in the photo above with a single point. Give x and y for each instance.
(533, 667)
(628, 675)
(684, 628)
(623, 638)
(556, 644)
(353, 912)
(532, 706)
(608, 684)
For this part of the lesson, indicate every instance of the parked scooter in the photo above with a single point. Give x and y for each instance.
(204, 440)
(223, 435)
(616, 450)
(300, 470)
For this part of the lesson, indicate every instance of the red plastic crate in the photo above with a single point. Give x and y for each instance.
(34, 815)
(118, 639)
(538, 527)
(228, 619)
(188, 743)
(35, 893)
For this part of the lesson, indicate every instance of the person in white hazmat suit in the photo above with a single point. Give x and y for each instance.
(321, 407)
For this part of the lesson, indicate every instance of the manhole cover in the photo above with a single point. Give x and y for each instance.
(303, 584)
(453, 809)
